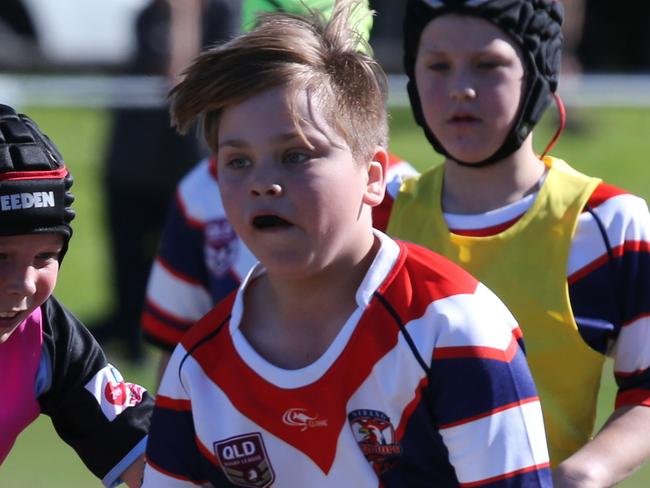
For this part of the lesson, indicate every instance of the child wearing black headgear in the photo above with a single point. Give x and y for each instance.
(51, 362)
(567, 253)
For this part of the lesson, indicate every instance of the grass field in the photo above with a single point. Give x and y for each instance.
(613, 145)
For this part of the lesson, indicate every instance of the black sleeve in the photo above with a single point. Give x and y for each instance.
(93, 410)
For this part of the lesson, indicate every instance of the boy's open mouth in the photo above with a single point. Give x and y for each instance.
(266, 222)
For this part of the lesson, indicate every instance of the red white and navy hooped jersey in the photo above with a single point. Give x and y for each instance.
(200, 258)
(425, 385)
(609, 289)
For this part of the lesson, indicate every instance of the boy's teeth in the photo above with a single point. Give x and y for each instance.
(8, 315)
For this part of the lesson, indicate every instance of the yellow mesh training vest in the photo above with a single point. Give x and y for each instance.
(526, 266)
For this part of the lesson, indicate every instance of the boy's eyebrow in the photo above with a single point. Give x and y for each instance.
(238, 143)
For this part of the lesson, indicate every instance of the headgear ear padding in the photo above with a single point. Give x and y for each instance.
(34, 182)
(534, 25)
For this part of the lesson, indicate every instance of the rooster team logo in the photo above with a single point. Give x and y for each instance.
(221, 245)
(375, 435)
(113, 394)
(244, 460)
(299, 417)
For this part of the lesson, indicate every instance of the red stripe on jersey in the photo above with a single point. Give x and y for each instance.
(489, 413)
(393, 159)
(617, 251)
(168, 316)
(517, 333)
(410, 408)
(174, 475)
(177, 274)
(633, 398)
(487, 231)
(478, 352)
(191, 222)
(418, 278)
(638, 317)
(162, 331)
(604, 192)
(206, 453)
(512, 474)
(179, 405)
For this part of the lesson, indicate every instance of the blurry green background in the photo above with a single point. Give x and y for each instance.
(611, 143)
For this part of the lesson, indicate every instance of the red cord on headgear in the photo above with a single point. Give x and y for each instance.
(562, 112)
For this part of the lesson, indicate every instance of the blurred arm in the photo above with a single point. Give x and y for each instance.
(617, 451)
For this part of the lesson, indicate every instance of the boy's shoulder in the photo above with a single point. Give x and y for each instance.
(424, 276)
(211, 323)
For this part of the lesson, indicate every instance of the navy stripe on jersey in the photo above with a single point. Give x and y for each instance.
(172, 447)
(470, 391)
(184, 256)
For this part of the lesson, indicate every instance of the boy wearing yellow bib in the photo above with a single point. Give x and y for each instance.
(567, 253)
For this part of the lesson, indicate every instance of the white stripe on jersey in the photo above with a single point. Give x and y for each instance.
(478, 309)
(183, 300)
(199, 193)
(632, 350)
(620, 215)
(466, 443)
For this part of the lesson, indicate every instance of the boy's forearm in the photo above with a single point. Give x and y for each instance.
(619, 449)
(132, 475)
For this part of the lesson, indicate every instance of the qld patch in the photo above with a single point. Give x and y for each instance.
(112, 393)
(244, 460)
(375, 435)
(221, 246)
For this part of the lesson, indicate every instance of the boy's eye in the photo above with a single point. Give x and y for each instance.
(47, 257)
(295, 157)
(438, 66)
(238, 163)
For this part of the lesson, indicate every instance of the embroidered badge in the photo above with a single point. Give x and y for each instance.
(244, 460)
(375, 435)
(221, 246)
(112, 393)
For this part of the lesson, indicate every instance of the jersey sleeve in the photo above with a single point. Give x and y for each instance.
(631, 265)
(178, 291)
(397, 171)
(483, 396)
(173, 454)
(102, 417)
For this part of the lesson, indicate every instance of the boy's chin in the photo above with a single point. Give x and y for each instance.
(5, 333)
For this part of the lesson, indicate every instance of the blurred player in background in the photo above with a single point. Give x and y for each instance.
(146, 158)
(568, 254)
(50, 362)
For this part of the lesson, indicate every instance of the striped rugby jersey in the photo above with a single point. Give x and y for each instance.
(609, 289)
(425, 385)
(200, 258)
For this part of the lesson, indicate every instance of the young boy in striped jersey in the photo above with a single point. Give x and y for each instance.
(567, 253)
(344, 358)
(200, 259)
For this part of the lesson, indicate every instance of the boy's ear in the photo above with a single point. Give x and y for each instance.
(376, 185)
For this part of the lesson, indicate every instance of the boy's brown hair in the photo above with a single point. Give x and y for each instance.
(303, 53)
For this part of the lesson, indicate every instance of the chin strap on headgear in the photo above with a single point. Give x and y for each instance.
(34, 181)
(534, 25)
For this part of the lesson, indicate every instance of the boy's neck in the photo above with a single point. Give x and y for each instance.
(291, 323)
(478, 190)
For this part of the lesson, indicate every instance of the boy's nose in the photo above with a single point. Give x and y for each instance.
(267, 189)
(462, 93)
(22, 282)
